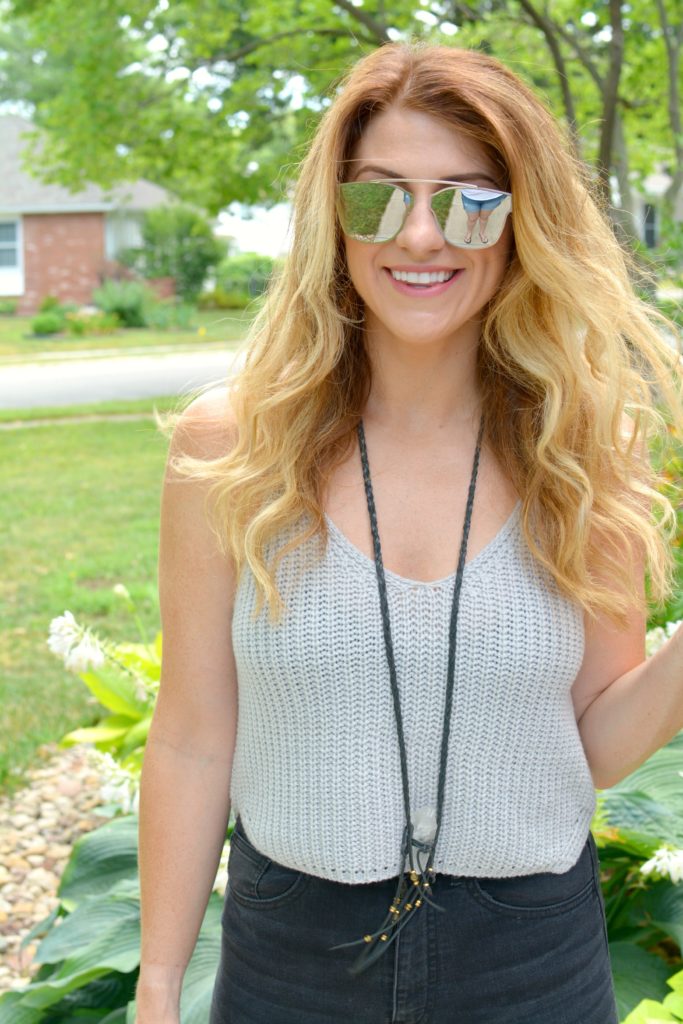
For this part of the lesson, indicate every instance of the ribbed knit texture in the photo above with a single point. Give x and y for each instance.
(316, 771)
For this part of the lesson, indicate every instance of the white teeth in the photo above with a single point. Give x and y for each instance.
(422, 278)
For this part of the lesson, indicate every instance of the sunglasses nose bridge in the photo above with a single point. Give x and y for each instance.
(427, 215)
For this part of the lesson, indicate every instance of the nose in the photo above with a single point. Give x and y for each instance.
(420, 232)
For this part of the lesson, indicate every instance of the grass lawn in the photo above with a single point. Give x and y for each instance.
(16, 339)
(58, 413)
(79, 511)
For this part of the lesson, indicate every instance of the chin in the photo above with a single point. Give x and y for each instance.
(418, 335)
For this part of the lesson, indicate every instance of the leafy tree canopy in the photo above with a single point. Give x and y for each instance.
(216, 99)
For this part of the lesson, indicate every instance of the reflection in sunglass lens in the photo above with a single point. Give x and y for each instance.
(374, 211)
(442, 204)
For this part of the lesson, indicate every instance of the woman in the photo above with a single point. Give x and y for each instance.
(411, 537)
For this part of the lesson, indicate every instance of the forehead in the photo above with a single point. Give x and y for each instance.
(419, 145)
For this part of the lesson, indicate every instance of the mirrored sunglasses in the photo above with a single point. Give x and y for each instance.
(467, 216)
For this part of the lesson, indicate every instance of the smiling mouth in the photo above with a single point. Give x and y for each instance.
(423, 280)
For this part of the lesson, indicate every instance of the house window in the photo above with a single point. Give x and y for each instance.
(650, 225)
(9, 247)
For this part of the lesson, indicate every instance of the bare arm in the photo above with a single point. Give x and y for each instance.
(185, 784)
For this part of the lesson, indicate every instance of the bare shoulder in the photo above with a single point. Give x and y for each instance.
(206, 430)
(207, 427)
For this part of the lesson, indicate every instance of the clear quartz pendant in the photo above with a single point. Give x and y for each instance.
(424, 824)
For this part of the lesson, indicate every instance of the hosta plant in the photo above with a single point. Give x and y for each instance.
(123, 677)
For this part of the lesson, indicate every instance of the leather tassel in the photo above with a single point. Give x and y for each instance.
(410, 895)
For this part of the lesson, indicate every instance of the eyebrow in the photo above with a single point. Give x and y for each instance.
(467, 176)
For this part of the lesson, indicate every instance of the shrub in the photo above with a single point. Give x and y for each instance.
(667, 459)
(178, 242)
(8, 307)
(671, 308)
(168, 314)
(47, 323)
(218, 298)
(129, 300)
(80, 323)
(247, 273)
(49, 304)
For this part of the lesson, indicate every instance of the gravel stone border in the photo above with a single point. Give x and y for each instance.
(38, 826)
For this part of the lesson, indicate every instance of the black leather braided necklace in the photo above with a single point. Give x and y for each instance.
(418, 844)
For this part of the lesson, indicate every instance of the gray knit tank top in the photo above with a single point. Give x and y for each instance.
(316, 771)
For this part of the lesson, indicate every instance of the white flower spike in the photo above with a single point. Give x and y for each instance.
(77, 647)
(86, 654)
(119, 786)
(658, 636)
(666, 862)
(64, 633)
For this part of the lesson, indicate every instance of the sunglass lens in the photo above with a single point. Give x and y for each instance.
(371, 211)
(469, 222)
(445, 205)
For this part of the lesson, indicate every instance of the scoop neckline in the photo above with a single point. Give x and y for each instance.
(479, 559)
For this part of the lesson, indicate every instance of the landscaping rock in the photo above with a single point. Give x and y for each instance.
(38, 826)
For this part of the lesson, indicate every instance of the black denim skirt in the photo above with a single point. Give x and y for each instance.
(525, 950)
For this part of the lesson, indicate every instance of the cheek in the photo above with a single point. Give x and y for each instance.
(497, 260)
(507, 244)
(359, 261)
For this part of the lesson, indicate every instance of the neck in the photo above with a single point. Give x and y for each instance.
(420, 391)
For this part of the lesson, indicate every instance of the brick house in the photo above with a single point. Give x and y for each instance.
(56, 242)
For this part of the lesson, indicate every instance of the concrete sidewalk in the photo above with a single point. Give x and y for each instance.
(57, 355)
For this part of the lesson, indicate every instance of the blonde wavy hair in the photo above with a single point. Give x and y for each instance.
(569, 353)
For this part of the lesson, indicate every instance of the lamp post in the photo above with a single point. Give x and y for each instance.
(655, 186)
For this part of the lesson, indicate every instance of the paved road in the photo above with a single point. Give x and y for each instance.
(74, 381)
(70, 379)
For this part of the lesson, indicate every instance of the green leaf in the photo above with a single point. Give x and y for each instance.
(101, 936)
(140, 658)
(200, 976)
(100, 859)
(108, 729)
(674, 1003)
(636, 974)
(40, 928)
(660, 905)
(91, 918)
(115, 947)
(108, 993)
(641, 816)
(659, 779)
(649, 1012)
(117, 1016)
(12, 1012)
(114, 690)
(136, 737)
